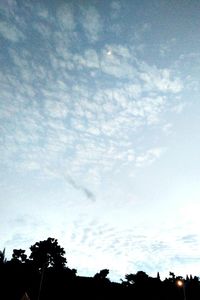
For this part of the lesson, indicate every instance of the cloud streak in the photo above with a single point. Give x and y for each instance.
(88, 194)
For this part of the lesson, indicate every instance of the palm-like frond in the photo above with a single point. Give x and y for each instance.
(2, 256)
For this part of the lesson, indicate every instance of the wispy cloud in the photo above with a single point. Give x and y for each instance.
(10, 32)
(149, 157)
(124, 251)
(115, 9)
(92, 24)
(66, 18)
(141, 30)
(160, 80)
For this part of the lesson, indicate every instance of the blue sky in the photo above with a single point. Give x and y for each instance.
(99, 132)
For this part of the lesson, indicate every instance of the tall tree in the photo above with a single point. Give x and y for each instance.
(48, 253)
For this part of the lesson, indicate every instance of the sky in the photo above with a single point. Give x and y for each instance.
(99, 132)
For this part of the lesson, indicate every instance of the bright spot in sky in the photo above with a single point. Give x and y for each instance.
(109, 52)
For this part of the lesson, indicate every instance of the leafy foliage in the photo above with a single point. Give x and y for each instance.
(48, 253)
(139, 277)
(19, 254)
(102, 274)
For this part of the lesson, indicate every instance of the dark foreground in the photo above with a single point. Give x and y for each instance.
(44, 276)
(64, 284)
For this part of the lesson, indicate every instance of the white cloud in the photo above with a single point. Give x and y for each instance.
(166, 47)
(112, 113)
(92, 24)
(91, 58)
(11, 32)
(115, 9)
(66, 18)
(117, 64)
(43, 29)
(90, 123)
(121, 250)
(115, 247)
(43, 12)
(9, 8)
(141, 30)
(159, 80)
(149, 157)
(179, 107)
(30, 165)
(167, 128)
(56, 109)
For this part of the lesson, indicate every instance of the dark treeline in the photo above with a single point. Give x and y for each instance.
(44, 275)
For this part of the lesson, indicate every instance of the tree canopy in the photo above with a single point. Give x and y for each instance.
(48, 253)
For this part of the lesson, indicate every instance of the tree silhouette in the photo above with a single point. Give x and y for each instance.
(48, 253)
(158, 275)
(2, 257)
(172, 276)
(44, 276)
(19, 255)
(137, 278)
(129, 278)
(102, 274)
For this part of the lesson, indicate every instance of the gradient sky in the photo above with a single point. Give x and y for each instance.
(99, 132)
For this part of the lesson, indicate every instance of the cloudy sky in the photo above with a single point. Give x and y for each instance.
(99, 132)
